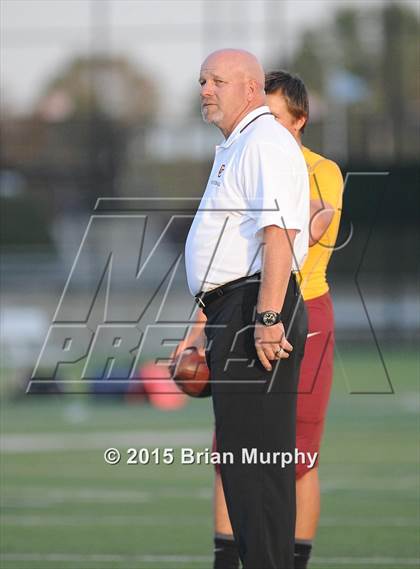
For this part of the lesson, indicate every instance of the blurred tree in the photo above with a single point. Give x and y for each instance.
(308, 60)
(399, 80)
(108, 86)
(361, 43)
(71, 148)
(93, 106)
(378, 49)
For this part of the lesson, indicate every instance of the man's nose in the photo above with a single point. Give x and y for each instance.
(206, 90)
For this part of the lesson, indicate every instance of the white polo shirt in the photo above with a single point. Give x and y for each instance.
(259, 178)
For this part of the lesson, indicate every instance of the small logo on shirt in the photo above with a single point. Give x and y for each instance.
(221, 170)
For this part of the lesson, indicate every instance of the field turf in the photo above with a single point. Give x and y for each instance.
(64, 508)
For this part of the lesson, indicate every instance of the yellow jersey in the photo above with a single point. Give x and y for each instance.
(326, 184)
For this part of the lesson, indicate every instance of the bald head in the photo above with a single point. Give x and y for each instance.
(232, 85)
(240, 61)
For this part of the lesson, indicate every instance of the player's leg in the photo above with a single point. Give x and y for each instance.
(314, 391)
(308, 505)
(222, 523)
(226, 555)
(308, 440)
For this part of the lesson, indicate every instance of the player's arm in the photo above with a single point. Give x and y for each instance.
(276, 269)
(329, 184)
(321, 216)
(195, 337)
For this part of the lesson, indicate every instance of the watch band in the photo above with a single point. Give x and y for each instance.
(268, 317)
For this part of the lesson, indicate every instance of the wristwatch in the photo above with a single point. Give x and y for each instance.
(269, 317)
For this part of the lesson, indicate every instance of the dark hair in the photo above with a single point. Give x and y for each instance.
(293, 90)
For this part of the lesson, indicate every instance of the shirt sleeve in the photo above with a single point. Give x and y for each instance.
(276, 187)
(328, 183)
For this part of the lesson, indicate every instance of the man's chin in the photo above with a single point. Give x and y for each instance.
(211, 118)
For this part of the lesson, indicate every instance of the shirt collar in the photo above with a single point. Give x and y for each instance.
(242, 124)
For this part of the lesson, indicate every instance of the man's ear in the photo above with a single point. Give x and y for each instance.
(253, 89)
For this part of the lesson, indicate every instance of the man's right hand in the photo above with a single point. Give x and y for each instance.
(191, 341)
(196, 337)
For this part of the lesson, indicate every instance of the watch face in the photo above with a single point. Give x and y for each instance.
(269, 318)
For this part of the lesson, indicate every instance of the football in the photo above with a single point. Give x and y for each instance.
(191, 374)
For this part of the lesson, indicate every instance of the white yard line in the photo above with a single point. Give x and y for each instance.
(385, 522)
(179, 559)
(50, 442)
(186, 520)
(77, 520)
(103, 558)
(363, 561)
(48, 497)
(370, 483)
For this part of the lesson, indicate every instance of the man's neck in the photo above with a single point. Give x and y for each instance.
(228, 130)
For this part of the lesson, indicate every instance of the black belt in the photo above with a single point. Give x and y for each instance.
(203, 299)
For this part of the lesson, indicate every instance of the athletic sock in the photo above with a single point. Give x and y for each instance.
(303, 549)
(226, 554)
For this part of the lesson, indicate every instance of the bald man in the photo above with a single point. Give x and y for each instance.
(249, 235)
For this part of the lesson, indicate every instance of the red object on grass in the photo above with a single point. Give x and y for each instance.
(159, 387)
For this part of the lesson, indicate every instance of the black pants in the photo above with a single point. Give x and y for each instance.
(256, 409)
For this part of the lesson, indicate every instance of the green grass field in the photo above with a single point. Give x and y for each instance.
(64, 508)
